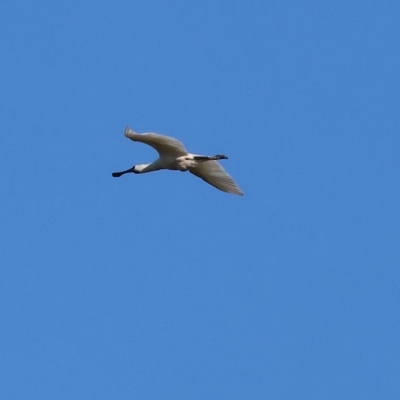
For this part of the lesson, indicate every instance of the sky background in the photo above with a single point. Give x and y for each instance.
(160, 286)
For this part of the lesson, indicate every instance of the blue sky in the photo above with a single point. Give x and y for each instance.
(159, 286)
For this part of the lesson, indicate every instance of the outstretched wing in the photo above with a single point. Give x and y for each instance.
(213, 173)
(165, 145)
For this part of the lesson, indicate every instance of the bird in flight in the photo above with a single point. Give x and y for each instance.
(174, 156)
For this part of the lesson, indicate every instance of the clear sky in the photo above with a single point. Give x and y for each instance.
(159, 286)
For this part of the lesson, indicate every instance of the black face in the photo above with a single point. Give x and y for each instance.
(118, 174)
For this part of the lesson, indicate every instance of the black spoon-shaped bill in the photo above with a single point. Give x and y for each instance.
(118, 174)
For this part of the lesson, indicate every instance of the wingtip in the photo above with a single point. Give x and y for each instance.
(235, 191)
(128, 131)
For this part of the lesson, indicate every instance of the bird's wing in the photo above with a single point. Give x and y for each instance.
(213, 173)
(165, 145)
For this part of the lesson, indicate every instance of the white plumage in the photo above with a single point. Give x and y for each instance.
(174, 156)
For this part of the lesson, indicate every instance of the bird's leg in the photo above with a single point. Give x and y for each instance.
(209, 158)
(118, 174)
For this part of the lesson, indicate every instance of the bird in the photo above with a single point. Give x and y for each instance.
(174, 156)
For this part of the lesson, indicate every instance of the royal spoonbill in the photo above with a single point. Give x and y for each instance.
(174, 156)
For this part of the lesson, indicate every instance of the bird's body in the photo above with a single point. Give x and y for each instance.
(174, 156)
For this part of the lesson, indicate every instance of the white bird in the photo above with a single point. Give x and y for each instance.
(174, 156)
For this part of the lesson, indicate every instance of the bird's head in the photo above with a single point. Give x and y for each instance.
(137, 169)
